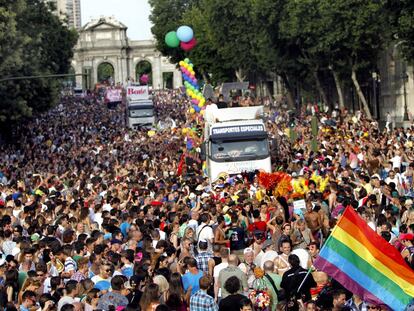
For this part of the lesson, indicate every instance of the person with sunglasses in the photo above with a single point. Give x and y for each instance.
(105, 273)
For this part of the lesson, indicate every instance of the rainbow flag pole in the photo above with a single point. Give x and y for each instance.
(366, 264)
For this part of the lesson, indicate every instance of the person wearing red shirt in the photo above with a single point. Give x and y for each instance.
(258, 226)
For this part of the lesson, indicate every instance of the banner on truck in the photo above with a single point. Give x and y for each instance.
(114, 95)
(137, 92)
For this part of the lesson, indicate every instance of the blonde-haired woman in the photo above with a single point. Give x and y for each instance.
(31, 284)
(163, 287)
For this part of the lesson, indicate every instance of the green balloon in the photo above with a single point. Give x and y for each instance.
(171, 39)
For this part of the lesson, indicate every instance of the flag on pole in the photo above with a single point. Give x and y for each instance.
(366, 264)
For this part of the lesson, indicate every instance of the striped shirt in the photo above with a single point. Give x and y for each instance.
(70, 264)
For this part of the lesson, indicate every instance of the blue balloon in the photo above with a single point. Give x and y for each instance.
(196, 108)
(185, 33)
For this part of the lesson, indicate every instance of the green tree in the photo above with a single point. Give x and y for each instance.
(166, 16)
(39, 44)
(105, 71)
(205, 57)
(274, 52)
(143, 67)
(401, 14)
(231, 25)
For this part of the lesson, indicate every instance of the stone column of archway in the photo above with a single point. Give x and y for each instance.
(78, 69)
(178, 80)
(157, 72)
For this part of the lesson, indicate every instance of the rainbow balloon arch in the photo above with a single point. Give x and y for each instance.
(192, 88)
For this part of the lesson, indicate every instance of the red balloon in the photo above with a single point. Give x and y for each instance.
(188, 46)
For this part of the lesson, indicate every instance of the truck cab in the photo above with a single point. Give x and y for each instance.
(236, 141)
(141, 113)
(140, 107)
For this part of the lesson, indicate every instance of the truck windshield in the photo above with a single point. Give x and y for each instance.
(138, 113)
(239, 150)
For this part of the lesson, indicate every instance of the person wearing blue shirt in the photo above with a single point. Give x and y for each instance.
(28, 300)
(192, 277)
(126, 224)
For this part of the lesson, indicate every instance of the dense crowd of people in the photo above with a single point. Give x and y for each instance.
(97, 217)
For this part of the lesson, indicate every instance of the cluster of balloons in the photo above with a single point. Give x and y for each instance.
(183, 37)
(192, 89)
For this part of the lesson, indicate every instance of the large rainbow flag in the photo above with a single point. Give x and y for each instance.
(367, 265)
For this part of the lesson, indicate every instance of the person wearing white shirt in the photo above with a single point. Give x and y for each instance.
(205, 232)
(268, 252)
(224, 254)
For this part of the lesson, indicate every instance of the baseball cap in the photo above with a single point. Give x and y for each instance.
(267, 243)
(409, 202)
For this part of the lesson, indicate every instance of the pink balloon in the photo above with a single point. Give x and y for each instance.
(194, 101)
(144, 79)
(188, 46)
(182, 68)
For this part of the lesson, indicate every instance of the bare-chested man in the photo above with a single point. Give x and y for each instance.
(313, 220)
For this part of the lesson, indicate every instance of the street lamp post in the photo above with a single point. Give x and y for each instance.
(404, 77)
(375, 82)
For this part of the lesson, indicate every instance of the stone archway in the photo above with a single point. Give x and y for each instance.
(168, 80)
(106, 73)
(70, 81)
(143, 67)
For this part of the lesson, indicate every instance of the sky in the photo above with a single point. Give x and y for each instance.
(132, 13)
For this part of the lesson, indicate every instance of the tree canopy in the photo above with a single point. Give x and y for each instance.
(308, 43)
(33, 41)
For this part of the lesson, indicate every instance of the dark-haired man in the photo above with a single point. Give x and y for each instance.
(294, 277)
(114, 297)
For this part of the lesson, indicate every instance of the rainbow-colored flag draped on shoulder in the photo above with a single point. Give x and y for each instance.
(367, 265)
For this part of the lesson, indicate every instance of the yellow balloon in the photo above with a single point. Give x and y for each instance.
(192, 72)
(202, 112)
(201, 105)
(203, 100)
(185, 130)
(192, 110)
(181, 63)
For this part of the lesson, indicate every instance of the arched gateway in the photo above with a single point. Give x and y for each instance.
(103, 48)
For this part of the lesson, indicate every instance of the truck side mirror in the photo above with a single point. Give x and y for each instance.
(203, 151)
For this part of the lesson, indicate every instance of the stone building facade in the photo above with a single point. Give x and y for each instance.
(105, 41)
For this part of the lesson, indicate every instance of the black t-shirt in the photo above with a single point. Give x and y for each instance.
(236, 238)
(292, 279)
(231, 303)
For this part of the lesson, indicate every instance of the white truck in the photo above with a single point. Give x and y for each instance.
(235, 141)
(140, 107)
